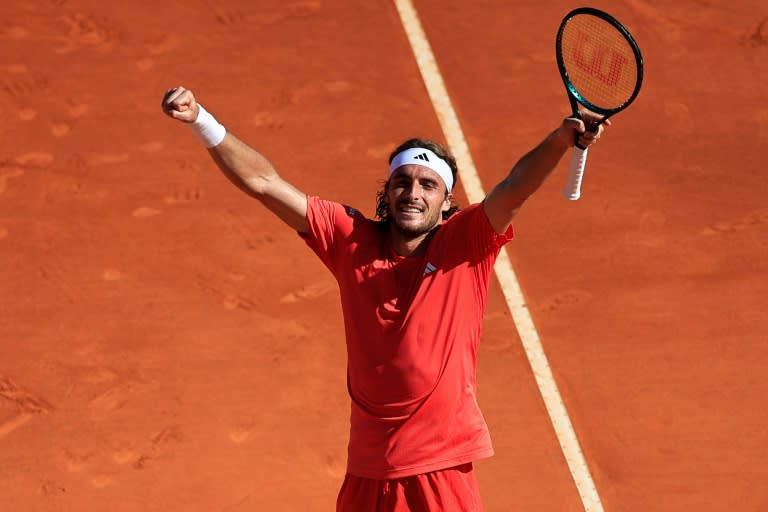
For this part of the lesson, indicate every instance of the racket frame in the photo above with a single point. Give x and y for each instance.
(572, 190)
(574, 97)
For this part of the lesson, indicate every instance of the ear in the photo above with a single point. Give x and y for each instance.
(447, 202)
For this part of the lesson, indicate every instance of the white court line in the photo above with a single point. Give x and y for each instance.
(449, 122)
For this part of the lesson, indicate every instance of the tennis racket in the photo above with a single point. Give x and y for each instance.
(602, 70)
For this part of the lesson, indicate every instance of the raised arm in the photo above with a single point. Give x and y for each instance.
(248, 169)
(503, 202)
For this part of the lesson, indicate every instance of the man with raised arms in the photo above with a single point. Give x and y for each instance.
(413, 286)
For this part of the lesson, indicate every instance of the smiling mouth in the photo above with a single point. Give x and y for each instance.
(410, 210)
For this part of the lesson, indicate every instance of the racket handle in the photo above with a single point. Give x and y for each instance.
(572, 190)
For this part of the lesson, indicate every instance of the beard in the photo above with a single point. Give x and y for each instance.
(413, 226)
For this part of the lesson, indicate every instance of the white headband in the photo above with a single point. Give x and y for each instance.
(425, 158)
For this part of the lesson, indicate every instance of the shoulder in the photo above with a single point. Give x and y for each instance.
(337, 216)
(469, 231)
(328, 208)
(465, 217)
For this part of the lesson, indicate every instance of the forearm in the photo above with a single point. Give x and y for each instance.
(252, 173)
(248, 169)
(525, 178)
(530, 172)
(245, 167)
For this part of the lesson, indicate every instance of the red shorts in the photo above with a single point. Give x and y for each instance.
(454, 490)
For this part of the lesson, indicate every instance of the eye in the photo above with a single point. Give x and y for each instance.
(399, 183)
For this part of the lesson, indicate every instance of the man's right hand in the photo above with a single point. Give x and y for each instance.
(179, 103)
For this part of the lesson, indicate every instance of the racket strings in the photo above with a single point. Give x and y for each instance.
(600, 62)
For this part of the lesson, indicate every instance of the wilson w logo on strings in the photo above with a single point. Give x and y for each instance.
(604, 63)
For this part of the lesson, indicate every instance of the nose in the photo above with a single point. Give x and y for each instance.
(413, 191)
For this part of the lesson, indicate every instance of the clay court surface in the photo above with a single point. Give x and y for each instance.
(167, 345)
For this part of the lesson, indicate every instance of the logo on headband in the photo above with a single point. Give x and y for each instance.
(425, 158)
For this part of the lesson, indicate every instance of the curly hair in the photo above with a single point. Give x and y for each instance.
(382, 208)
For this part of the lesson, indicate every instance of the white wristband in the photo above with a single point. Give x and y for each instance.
(210, 131)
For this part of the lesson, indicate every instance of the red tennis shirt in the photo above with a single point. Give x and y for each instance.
(413, 326)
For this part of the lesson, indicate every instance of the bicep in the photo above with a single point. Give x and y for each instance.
(501, 205)
(250, 171)
(528, 174)
(287, 202)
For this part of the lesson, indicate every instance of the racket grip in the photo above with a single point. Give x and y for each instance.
(572, 190)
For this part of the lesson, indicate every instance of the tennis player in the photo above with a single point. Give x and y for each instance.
(413, 287)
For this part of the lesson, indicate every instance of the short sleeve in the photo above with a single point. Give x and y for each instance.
(330, 225)
(471, 230)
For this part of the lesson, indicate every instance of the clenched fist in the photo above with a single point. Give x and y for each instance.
(179, 103)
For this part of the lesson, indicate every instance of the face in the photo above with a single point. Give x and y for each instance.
(417, 198)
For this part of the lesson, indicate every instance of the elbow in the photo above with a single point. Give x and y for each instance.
(257, 186)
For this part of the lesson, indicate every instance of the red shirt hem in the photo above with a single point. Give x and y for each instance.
(420, 469)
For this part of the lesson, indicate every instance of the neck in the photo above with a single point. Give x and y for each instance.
(408, 245)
